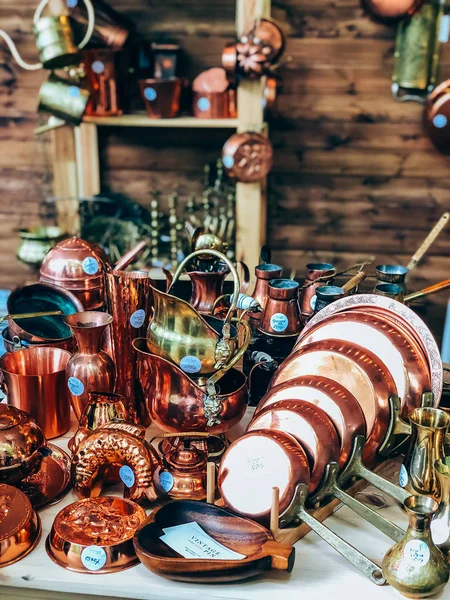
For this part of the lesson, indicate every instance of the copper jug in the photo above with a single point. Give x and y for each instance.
(264, 273)
(317, 274)
(207, 287)
(281, 317)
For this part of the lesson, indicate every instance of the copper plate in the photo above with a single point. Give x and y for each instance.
(20, 526)
(254, 464)
(95, 529)
(358, 370)
(393, 9)
(52, 482)
(392, 344)
(310, 425)
(400, 314)
(339, 404)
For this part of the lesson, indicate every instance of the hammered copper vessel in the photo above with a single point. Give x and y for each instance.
(247, 157)
(129, 297)
(214, 105)
(281, 317)
(316, 275)
(207, 287)
(105, 74)
(264, 273)
(183, 474)
(20, 441)
(34, 380)
(95, 535)
(20, 526)
(91, 368)
(111, 28)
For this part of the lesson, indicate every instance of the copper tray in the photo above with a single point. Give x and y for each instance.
(52, 482)
(402, 316)
(358, 370)
(392, 344)
(310, 425)
(340, 405)
(254, 464)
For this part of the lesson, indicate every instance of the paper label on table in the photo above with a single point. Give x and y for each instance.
(137, 318)
(279, 322)
(76, 386)
(90, 265)
(403, 476)
(190, 364)
(166, 481)
(98, 67)
(127, 475)
(416, 553)
(93, 558)
(439, 531)
(191, 541)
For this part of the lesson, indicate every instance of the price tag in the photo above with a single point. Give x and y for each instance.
(150, 94)
(75, 386)
(72, 3)
(137, 318)
(190, 364)
(90, 265)
(403, 476)
(228, 161)
(440, 121)
(166, 480)
(73, 91)
(127, 475)
(279, 322)
(93, 558)
(439, 531)
(416, 553)
(98, 67)
(312, 302)
(203, 103)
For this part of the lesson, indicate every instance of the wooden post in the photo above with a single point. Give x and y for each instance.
(65, 186)
(88, 167)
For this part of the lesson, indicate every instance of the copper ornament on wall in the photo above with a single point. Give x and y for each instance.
(247, 157)
(392, 9)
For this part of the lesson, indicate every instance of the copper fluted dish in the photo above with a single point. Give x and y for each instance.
(402, 316)
(356, 369)
(338, 403)
(20, 526)
(95, 535)
(264, 459)
(262, 552)
(390, 343)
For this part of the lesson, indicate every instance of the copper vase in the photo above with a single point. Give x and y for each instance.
(206, 288)
(264, 273)
(281, 317)
(129, 297)
(317, 274)
(91, 368)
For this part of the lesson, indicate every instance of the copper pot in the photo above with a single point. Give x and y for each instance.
(14, 343)
(437, 116)
(111, 28)
(281, 317)
(35, 381)
(314, 271)
(392, 9)
(21, 438)
(247, 157)
(214, 105)
(264, 273)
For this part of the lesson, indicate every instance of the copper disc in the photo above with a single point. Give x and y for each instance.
(393, 346)
(310, 425)
(254, 464)
(247, 157)
(339, 404)
(268, 32)
(393, 9)
(358, 370)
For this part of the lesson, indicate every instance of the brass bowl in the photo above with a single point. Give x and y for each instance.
(95, 535)
(20, 526)
(20, 441)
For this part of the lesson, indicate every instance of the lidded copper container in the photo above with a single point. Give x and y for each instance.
(264, 273)
(281, 317)
(20, 441)
(77, 266)
(184, 474)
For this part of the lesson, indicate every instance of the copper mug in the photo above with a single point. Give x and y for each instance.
(317, 274)
(161, 97)
(34, 381)
(281, 316)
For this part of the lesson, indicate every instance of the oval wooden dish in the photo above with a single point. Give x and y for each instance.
(262, 552)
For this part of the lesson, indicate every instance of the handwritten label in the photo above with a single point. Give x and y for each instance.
(127, 476)
(416, 553)
(150, 94)
(190, 364)
(439, 531)
(279, 322)
(403, 476)
(90, 265)
(166, 480)
(98, 67)
(137, 318)
(93, 558)
(191, 541)
(203, 103)
(75, 386)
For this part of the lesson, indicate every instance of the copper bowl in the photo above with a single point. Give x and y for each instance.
(20, 441)
(95, 535)
(14, 343)
(20, 526)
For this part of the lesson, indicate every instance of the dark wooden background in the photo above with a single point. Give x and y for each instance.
(354, 173)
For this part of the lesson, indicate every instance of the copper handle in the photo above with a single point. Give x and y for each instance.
(128, 258)
(431, 237)
(354, 281)
(48, 313)
(437, 287)
(245, 282)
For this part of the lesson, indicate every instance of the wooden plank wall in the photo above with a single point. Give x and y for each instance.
(354, 173)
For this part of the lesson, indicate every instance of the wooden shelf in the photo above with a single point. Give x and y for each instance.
(141, 120)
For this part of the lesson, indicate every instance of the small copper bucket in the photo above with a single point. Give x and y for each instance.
(214, 105)
(34, 381)
(104, 73)
(161, 98)
(63, 98)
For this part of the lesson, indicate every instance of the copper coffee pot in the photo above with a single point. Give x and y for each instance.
(317, 274)
(264, 273)
(281, 317)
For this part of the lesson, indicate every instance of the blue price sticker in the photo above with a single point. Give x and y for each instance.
(127, 475)
(203, 103)
(137, 318)
(93, 558)
(150, 94)
(90, 265)
(76, 386)
(166, 480)
(190, 364)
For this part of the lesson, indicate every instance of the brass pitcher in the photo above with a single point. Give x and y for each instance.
(440, 525)
(199, 344)
(428, 429)
(64, 98)
(415, 566)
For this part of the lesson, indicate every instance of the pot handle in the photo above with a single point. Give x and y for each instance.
(245, 281)
(222, 257)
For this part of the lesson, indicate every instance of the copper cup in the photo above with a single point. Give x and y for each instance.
(104, 77)
(161, 97)
(281, 316)
(264, 273)
(35, 381)
(214, 105)
(325, 295)
(390, 290)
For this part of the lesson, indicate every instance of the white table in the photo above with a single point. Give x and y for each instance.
(319, 572)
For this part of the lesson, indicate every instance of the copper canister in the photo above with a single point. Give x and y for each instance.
(264, 273)
(314, 272)
(281, 317)
(105, 81)
(214, 105)
(437, 116)
(161, 97)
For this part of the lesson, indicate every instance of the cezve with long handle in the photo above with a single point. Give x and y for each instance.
(431, 237)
